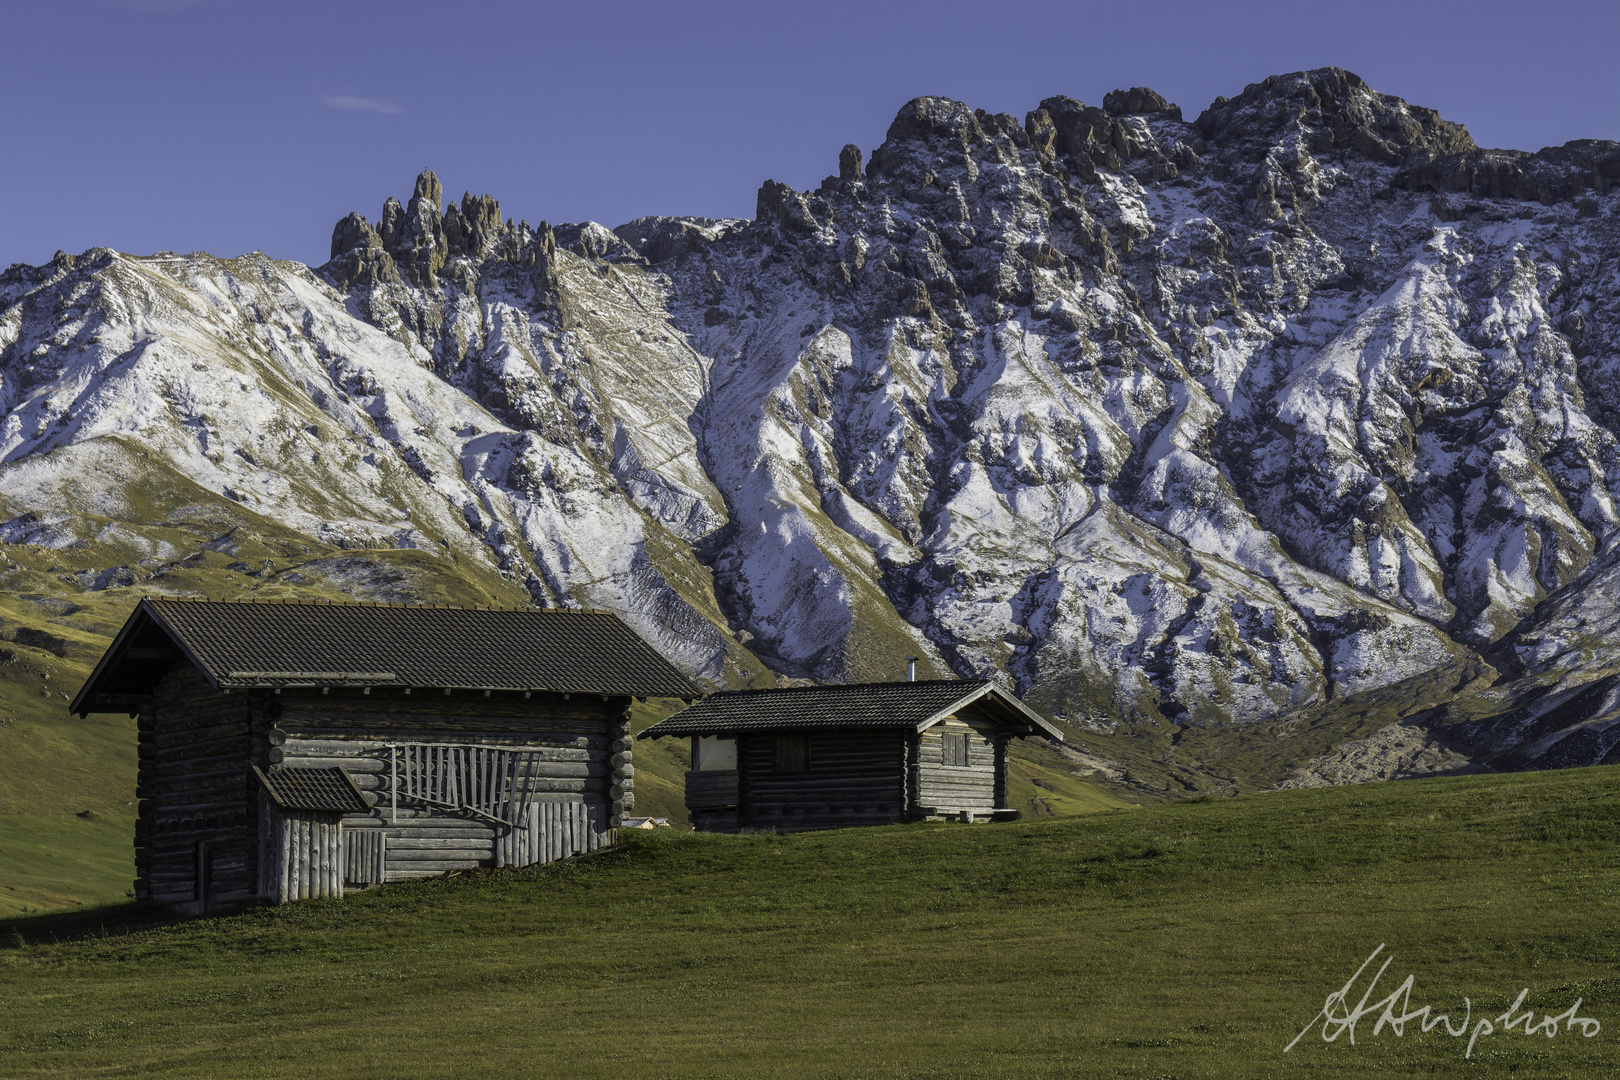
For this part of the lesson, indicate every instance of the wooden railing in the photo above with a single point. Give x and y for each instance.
(483, 782)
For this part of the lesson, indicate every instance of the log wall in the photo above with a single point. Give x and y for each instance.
(711, 799)
(198, 816)
(300, 855)
(575, 780)
(855, 778)
(950, 789)
(199, 841)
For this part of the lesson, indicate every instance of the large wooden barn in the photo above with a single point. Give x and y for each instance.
(824, 757)
(290, 750)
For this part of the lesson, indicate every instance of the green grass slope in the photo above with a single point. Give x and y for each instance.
(1193, 939)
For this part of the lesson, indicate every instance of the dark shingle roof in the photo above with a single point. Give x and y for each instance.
(322, 790)
(859, 705)
(248, 644)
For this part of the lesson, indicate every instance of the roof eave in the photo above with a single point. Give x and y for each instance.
(352, 684)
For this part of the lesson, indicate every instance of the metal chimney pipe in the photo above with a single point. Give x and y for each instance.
(911, 669)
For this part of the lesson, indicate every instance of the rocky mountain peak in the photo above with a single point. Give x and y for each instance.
(1332, 109)
(428, 190)
(934, 119)
(849, 162)
(1139, 100)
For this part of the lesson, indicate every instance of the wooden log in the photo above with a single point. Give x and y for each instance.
(408, 842)
(201, 802)
(168, 894)
(323, 856)
(341, 724)
(566, 743)
(419, 874)
(308, 858)
(216, 772)
(172, 731)
(334, 859)
(439, 866)
(299, 857)
(354, 765)
(404, 857)
(405, 834)
(201, 708)
(338, 705)
(545, 786)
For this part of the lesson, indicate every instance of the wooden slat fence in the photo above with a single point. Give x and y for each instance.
(364, 856)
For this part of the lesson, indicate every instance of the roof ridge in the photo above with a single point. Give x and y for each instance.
(853, 686)
(260, 601)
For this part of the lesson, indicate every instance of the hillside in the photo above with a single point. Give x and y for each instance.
(1193, 939)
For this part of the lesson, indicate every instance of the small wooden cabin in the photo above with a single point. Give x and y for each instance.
(825, 757)
(290, 750)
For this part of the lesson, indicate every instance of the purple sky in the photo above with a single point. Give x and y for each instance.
(230, 125)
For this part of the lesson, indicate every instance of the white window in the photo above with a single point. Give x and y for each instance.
(713, 753)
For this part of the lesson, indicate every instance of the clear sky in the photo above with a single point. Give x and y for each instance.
(234, 125)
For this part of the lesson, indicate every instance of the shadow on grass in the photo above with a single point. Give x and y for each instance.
(112, 920)
(121, 920)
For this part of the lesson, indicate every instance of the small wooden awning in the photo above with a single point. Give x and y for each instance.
(329, 790)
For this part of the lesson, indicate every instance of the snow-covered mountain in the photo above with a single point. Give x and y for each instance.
(1171, 422)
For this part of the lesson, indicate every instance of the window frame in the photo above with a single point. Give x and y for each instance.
(790, 753)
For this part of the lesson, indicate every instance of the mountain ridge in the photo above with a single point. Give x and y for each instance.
(1174, 425)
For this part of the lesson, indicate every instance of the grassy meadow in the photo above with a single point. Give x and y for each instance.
(1192, 939)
